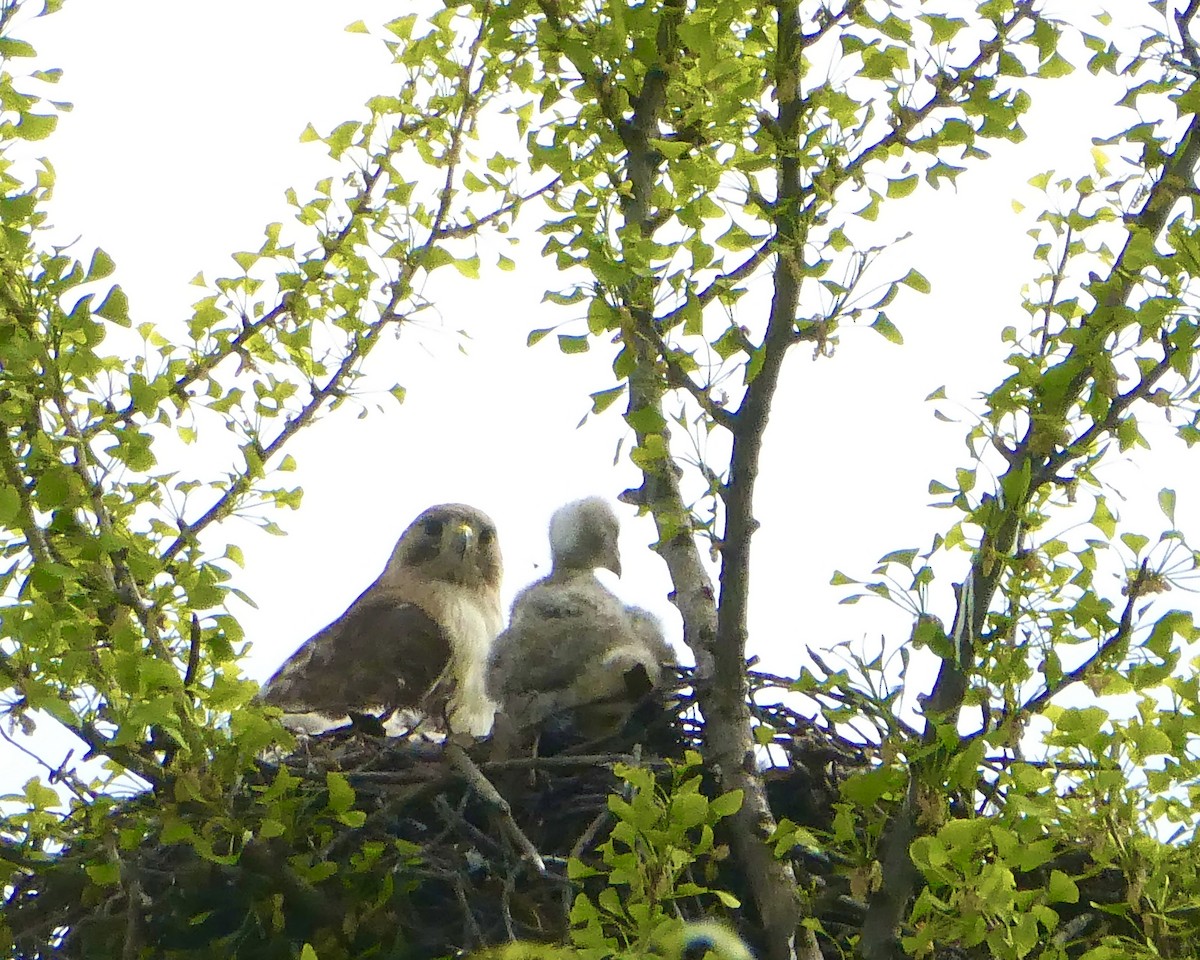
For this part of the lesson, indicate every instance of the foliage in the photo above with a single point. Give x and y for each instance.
(716, 942)
(671, 155)
(662, 843)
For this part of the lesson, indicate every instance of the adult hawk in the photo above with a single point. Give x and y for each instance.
(572, 649)
(415, 641)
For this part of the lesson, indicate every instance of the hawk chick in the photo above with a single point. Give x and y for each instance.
(571, 646)
(415, 640)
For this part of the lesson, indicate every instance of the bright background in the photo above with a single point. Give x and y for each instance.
(183, 139)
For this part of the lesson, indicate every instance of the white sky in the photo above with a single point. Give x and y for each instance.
(183, 139)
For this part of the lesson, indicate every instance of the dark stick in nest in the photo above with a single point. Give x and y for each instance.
(483, 787)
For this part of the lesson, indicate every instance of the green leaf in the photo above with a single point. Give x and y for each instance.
(245, 260)
(603, 399)
(115, 307)
(1166, 503)
(10, 506)
(1135, 542)
(467, 266)
(103, 874)
(1103, 520)
(896, 189)
(886, 329)
(727, 804)
(943, 28)
(269, 828)
(646, 420)
(1062, 889)
(33, 126)
(341, 794)
(569, 344)
(871, 210)
(401, 27)
(903, 557)
(102, 265)
(1056, 66)
(353, 818)
(689, 810)
(735, 238)
(866, 788)
(11, 48)
(917, 282)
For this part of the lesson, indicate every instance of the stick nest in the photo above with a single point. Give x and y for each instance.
(428, 862)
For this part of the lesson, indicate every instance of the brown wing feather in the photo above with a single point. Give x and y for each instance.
(382, 652)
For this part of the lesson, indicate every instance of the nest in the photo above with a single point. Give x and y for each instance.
(430, 860)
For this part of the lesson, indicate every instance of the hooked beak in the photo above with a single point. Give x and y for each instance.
(613, 563)
(462, 537)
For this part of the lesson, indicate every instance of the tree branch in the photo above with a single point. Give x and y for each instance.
(887, 905)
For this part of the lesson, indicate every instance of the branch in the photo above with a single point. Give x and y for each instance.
(366, 341)
(1183, 22)
(887, 906)
(466, 768)
(197, 369)
(459, 231)
(35, 536)
(679, 378)
(913, 116)
(1119, 638)
(724, 703)
(226, 504)
(720, 283)
(1087, 440)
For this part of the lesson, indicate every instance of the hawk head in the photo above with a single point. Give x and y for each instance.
(583, 536)
(451, 542)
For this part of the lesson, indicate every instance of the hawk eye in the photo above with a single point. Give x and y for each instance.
(487, 535)
(433, 527)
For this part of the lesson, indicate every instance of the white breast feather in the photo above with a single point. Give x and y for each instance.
(472, 624)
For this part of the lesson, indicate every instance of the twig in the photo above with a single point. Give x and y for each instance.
(455, 818)
(193, 661)
(1119, 638)
(460, 893)
(459, 231)
(483, 787)
(559, 760)
(601, 820)
(133, 922)
(510, 882)
(708, 294)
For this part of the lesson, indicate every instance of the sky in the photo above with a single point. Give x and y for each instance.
(184, 137)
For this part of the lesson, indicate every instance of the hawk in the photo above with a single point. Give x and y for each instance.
(416, 640)
(572, 648)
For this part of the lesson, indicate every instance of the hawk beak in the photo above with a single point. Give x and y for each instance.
(462, 537)
(613, 563)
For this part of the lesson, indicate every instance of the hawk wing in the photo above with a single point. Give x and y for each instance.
(556, 629)
(384, 653)
(572, 644)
